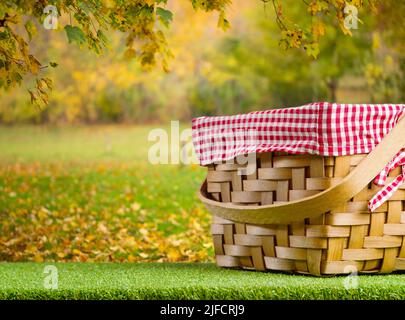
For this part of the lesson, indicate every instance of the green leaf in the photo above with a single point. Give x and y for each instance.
(102, 37)
(165, 15)
(75, 34)
(31, 29)
(84, 6)
(312, 50)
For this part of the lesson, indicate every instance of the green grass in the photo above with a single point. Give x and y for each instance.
(81, 144)
(59, 186)
(87, 156)
(183, 281)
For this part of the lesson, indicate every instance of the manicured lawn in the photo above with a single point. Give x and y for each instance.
(183, 281)
(90, 194)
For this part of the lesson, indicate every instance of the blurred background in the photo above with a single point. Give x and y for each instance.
(217, 72)
(75, 182)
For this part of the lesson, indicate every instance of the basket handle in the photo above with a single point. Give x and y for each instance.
(322, 202)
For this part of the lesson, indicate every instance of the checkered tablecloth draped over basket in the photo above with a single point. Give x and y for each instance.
(326, 129)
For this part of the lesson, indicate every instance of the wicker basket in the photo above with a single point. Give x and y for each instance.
(308, 214)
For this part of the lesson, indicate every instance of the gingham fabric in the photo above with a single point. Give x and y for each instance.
(385, 193)
(326, 129)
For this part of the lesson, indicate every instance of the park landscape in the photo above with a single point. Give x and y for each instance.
(77, 190)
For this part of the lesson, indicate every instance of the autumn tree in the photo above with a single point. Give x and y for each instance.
(143, 23)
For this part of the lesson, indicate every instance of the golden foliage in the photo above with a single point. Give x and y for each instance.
(142, 21)
(71, 231)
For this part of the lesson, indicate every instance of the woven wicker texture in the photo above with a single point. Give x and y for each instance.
(330, 244)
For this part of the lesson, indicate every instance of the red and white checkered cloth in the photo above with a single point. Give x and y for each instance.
(326, 129)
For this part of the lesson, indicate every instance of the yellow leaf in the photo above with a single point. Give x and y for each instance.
(90, 237)
(173, 255)
(318, 29)
(34, 64)
(223, 23)
(135, 206)
(102, 228)
(38, 258)
(131, 258)
(128, 242)
(43, 213)
(129, 53)
(376, 41)
(143, 231)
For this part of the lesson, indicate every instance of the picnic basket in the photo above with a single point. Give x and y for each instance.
(308, 213)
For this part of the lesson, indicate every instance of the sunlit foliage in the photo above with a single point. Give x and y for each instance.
(143, 23)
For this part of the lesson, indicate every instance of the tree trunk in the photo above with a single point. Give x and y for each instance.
(332, 88)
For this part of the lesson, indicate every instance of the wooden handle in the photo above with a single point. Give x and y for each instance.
(322, 202)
